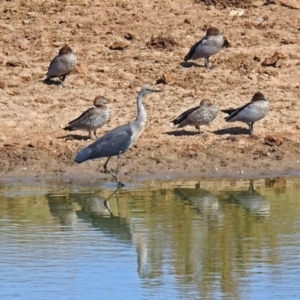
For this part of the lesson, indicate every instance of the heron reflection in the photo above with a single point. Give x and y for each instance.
(97, 211)
(103, 214)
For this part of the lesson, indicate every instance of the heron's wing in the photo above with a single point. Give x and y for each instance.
(184, 115)
(112, 143)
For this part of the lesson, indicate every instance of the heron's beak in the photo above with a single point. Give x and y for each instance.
(156, 91)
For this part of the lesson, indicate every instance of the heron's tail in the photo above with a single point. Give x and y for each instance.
(83, 155)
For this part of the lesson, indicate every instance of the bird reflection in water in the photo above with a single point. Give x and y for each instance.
(252, 201)
(97, 204)
(203, 200)
(62, 208)
(107, 218)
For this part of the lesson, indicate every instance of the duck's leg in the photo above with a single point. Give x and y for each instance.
(207, 63)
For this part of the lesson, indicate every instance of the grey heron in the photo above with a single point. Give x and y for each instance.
(118, 140)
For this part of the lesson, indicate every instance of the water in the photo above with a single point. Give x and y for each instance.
(165, 240)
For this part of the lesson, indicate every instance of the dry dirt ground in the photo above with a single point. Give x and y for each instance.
(122, 45)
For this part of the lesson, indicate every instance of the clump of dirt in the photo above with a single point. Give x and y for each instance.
(273, 61)
(161, 42)
(228, 3)
(118, 45)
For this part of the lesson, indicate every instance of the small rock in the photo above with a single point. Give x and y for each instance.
(236, 13)
(256, 58)
(24, 44)
(165, 79)
(13, 63)
(128, 36)
(187, 21)
(259, 19)
(231, 138)
(226, 44)
(273, 141)
(118, 45)
(81, 68)
(104, 69)
(271, 61)
(287, 41)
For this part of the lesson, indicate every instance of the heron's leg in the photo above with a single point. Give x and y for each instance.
(119, 183)
(105, 165)
(198, 127)
(95, 134)
(116, 177)
(90, 134)
(251, 186)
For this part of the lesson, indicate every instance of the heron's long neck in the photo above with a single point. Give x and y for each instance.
(141, 117)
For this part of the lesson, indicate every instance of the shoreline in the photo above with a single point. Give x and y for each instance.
(105, 179)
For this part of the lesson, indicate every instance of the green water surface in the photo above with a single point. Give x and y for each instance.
(156, 240)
